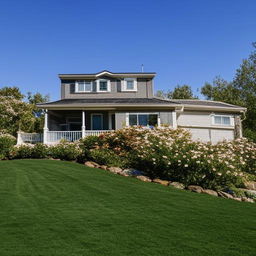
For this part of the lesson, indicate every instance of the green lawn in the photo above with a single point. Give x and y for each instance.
(62, 208)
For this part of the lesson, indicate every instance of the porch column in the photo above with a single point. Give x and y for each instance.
(45, 126)
(83, 124)
(174, 120)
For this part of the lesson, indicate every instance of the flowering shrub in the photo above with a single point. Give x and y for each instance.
(65, 151)
(22, 151)
(171, 154)
(6, 144)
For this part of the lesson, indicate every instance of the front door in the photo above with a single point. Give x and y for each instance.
(97, 122)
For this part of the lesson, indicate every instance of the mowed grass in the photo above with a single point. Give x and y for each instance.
(62, 208)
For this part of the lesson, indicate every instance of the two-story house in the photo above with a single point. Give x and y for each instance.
(94, 103)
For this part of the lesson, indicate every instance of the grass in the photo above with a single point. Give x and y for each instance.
(62, 208)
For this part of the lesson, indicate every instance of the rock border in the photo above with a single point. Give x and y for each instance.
(140, 176)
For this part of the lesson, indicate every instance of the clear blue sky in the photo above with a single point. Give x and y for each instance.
(183, 41)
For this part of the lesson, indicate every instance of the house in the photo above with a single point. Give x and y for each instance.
(91, 104)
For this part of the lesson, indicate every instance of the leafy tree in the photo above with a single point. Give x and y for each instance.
(18, 113)
(179, 92)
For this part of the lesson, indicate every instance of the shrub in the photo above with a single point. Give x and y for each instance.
(6, 144)
(40, 151)
(107, 157)
(22, 151)
(65, 151)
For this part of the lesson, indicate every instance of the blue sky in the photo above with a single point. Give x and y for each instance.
(183, 41)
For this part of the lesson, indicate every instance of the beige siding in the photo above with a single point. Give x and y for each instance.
(202, 128)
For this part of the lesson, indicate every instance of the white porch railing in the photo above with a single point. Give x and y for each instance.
(57, 136)
(29, 138)
(54, 137)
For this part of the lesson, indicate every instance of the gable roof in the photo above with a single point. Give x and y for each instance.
(108, 73)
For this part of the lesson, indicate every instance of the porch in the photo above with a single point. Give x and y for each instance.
(72, 125)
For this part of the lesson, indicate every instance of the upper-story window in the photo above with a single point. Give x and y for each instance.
(83, 86)
(130, 84)
(222, 120)
(103, 85)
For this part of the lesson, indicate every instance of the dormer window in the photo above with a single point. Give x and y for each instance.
(103, 85)
(130, 85)
(83, 86)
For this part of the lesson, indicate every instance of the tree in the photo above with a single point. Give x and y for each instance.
(18, 112)
(179, 92)
(222, 90)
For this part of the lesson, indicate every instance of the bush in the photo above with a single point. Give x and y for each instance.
(22, 151)
(6, 144)
(40, 151)
(107, 157)
(65, 151)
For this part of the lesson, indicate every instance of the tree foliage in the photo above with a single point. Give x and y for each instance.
(18, 112)
(179, 92)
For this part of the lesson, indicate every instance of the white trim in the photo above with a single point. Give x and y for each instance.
(98, 85)
(84, 81)
(231, 118)
(124, 85)
(99, 114)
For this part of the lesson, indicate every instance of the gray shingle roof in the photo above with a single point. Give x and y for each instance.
(111, 101)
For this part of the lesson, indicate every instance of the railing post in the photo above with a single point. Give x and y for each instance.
(83, 124)
(45, 126)
(19, 138)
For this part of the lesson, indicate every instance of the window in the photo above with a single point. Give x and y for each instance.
(129, 84)
(222, 120)
(103, 85)
(83, 86)
(143, 119)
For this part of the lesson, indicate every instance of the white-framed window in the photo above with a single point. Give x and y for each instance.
(129, 85)
(142, 119)
(103, 85)
(83, 86)
(222, 120)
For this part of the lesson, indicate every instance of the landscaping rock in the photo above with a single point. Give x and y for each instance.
(115, 170)
(91, 164)
(210, 192)
(162, 182)
(225, 195)
(237, 199)
(195, 188)
(104, 167)
(246, 199)
(250, 185)
(143, 178)
(177, 185)
(123, 174)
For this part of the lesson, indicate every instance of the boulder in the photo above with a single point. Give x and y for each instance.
(246, 199)
(177, 185)
(91, 164)
(143, 178)
(115, 170)
(123, 174)
(104, 167)
(238, 199)
(195, 188)
(250, 185)
(162, 182)
(225, 195)
(210, 192)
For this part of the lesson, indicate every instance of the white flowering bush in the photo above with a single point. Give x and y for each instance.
(171, 154)
(7, 142)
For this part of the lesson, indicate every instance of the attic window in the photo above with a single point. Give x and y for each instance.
(103, 85)
(83, 86)
(130, 85)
